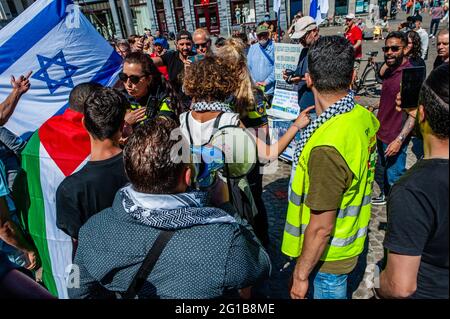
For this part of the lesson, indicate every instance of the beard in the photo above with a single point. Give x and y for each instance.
(397, 62)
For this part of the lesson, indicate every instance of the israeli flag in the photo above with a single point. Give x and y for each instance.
(318, 9)
(60, 46)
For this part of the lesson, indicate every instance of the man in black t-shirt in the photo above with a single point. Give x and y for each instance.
(418, 230)
(93, 188)
(176, 60)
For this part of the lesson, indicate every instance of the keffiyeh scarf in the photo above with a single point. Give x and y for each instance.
(344, 105)
(211, 106)
(172, 212)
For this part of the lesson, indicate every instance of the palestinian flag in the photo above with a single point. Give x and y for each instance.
(59, 148)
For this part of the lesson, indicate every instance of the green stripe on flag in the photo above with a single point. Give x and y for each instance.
(36, 211)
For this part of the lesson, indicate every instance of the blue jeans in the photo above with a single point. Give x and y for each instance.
(390, 169)
(327, 286)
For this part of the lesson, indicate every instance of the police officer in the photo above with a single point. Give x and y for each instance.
(148, 93)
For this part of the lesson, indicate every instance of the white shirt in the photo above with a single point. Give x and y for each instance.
(201, 133)
(423, 41)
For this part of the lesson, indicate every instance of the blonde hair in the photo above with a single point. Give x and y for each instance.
(233, 53)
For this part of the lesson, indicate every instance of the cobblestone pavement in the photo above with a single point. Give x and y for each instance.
(275, 199)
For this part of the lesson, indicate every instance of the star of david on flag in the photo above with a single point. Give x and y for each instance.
(46, 64)
(62, 48)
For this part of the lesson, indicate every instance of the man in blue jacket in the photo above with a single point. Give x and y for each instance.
(261, 61)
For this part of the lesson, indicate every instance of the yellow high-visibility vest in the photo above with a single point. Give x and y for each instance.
(353, 135)
(164, 108)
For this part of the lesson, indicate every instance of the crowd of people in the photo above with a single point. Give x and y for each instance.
(143, 223)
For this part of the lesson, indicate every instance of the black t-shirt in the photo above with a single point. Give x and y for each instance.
(418, 224)
(87, 192)
(175, 68)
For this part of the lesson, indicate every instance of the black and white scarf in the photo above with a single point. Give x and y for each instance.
(211, 106)
(344, 105)
(175, 211)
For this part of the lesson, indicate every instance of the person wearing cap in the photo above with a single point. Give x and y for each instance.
(291, 29)
(175, 61)
(158, 52)
(307, 32)
(354, 34)
(423, 35)
(158, 35)
(261, 61)
(202, 41)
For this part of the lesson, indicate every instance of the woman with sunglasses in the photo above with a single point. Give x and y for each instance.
(149, 94)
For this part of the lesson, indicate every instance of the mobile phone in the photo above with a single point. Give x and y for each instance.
(290, 72)
(412, 80)
(196, 58)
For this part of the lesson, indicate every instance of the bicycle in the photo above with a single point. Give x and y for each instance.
(370, 80)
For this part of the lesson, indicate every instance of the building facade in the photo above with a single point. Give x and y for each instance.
(218, 16)
(9, 9)
(171, 16)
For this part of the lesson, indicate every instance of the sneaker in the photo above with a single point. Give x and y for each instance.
(379, 200)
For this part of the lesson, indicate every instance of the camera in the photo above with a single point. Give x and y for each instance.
(290, 74)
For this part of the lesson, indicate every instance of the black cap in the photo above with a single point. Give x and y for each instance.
(183, 34)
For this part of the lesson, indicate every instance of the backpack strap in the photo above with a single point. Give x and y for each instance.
(149, 263)
(188, 128)
(217, 121)
(269, 58)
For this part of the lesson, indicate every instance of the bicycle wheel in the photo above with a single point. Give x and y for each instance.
(369, 84)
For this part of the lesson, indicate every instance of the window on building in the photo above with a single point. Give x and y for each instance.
(207, 15)
(362, 6)
(341, 7)
(179, 15)
(242, 11)
(12, 7)
(161, 16)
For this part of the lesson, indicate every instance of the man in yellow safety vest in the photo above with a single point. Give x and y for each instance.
(329, 205)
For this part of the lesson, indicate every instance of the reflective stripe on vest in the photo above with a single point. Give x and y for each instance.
(334, 241)
(342, 213)
(353, 135)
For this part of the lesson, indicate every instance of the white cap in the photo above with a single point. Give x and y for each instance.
(350, 16)
(302, 26)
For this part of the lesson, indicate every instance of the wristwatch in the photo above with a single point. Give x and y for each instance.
(401, 138)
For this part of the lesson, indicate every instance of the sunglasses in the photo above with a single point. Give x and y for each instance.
(394, 48)
(133, 78)
(201, 45)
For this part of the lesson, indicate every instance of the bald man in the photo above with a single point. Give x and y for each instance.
(202, 41)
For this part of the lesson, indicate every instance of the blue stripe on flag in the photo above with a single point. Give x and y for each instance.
(313, 9)
(108, 69)
(32, 33)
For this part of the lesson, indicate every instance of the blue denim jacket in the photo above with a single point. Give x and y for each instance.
(10, 147)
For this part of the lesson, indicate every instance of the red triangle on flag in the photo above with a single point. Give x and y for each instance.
(66, 140)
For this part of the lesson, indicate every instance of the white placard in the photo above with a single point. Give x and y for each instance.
(285, 102)
(286, 57)
(277, 128)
